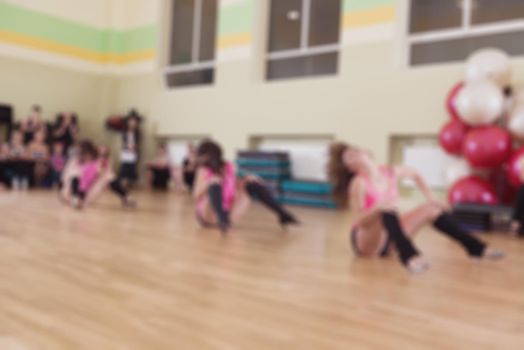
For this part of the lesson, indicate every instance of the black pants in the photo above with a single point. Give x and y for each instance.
(189, 179)
(17, 169)
(518, 211)
(3, 173)
(161, 177)
(22, 168)
(128, 172)
(115, 186)
(75, 189)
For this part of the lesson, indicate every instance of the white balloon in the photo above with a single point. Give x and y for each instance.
(516, 122)
(456, 170)
(490, 63)
(480, 103)
(518, 97)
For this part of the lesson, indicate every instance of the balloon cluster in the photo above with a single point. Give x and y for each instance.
(485, 132)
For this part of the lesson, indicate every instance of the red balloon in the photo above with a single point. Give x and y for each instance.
(516, 167)
(472, 190)
(452, 136)
(487, 147)
(450, 100)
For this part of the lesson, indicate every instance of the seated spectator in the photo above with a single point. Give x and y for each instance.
(38, 152)
(20, 166)
(4, 163)
(32, 124)
(159, 170)
(66, 130)
(57, 163)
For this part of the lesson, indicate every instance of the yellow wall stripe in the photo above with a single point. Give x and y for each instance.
(379, 15)
(234, 40)
(131, 57)
(66, 50)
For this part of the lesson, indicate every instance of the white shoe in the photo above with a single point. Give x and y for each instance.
(418, 265)
(24, 184)
(77, 203)
(493, 254)
(15, 183)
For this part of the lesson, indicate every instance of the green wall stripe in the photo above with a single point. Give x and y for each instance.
(34, 24)
(132, 40)
(236, 18)
(362, 5)
(140, 38)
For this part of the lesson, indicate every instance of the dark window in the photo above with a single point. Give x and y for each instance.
(323, 64)
(285, 25)
(208, 30)
(450, 30)
(324, 23)
(198, 77)
(488, 11)
(303, 38)
(182, 31)
(460, 49)
(429, 15)
(192, 46)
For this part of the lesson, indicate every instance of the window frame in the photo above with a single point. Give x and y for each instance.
(195, 65)
(467, 30)
(304, 50)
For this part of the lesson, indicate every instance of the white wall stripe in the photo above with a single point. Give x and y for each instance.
(365, 35)
(235, 54)
(224, 3)
(42, 57)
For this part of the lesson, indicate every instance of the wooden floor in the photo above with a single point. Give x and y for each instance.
(151, 279)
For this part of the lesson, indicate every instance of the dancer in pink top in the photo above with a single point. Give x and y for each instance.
(378, 227)
(222, 198)
(88, 175)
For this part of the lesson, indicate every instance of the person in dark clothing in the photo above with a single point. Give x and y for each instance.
(189, 167)
(518, 209)
(32, 124)
(159, 170)
(65, 130)
(128, 171)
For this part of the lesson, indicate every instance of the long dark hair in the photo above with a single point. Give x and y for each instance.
(86, 149)
(339, 176)
(212, 152)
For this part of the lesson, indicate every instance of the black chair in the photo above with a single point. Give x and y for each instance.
(6, 118)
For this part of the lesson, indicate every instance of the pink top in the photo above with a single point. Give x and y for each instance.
(88, 175)
(228, 186)
(373, 195)
(58, 162)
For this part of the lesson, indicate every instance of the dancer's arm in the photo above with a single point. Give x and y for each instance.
(409, 173)
(201, 185)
